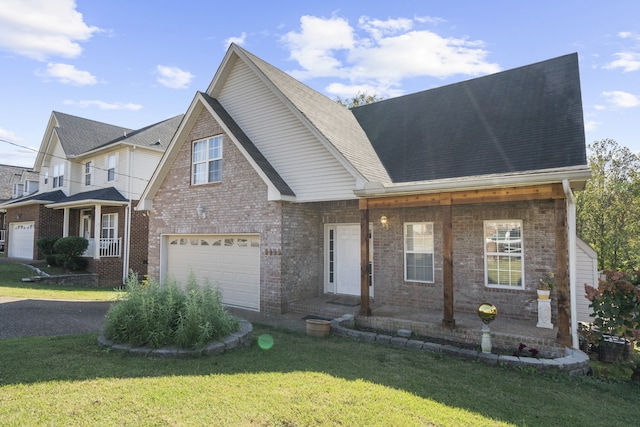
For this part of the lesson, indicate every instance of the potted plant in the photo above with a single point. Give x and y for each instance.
(616, 309)
(545, 285)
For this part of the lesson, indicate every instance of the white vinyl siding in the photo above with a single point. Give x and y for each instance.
(586, 272)
(300, 158)
(143, 163)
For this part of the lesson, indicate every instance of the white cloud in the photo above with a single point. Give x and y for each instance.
(237, 40)
(591, 125)
(8, 135)
(628, 61)
(379, 54)
(104, 105)
(42, 28)
(620, 99)
(173, 77)
(68, 74)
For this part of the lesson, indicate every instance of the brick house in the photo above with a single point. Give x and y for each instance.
(437, 200)
(90, 176)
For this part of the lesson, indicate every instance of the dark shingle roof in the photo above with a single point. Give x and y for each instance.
(79, 135)
(157, 135)
(528, 118)
(251, 149)
(40, 198)
(109, 194)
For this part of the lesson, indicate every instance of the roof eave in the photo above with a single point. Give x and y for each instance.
(577, 176)
(86, 202)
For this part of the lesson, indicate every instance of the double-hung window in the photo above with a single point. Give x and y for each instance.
(503, 253)
(109, 226)
(58, 175)
(111, 167)
(418, 252)
(88, 173)
(207, 160)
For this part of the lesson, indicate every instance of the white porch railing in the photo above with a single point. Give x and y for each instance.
(108, 247)
(2, 232)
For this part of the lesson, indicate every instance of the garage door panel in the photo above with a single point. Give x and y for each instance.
(231, 263)
(21, 240)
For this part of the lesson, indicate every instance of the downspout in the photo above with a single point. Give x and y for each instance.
(127, 227)
(571, 230)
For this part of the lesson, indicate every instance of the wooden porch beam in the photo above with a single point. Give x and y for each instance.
(448, 320)
(492, 195)
(562, 274)
(365, 310)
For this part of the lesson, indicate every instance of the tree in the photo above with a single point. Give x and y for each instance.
(608, 210)
(360, 99)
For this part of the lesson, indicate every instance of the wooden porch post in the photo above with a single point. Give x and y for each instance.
(365, 310)
(448, 320)
(562, 274)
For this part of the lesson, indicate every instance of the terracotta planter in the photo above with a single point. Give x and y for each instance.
(318, 327)
(543, 294)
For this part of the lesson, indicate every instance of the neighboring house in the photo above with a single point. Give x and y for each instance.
(439, 200)
(15, 181)
(91, 176)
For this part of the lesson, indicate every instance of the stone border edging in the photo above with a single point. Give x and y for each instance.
(574, 362)
(239, 339)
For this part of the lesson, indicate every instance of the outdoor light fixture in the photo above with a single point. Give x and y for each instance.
(202, 212)
(384, 222)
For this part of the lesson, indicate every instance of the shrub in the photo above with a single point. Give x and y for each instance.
(70, 250)
(45, 244)
(157, 315)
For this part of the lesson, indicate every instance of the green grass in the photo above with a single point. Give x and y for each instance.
(12, 286)
(299, 381)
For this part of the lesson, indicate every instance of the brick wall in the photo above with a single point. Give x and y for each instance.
(139, 248)
(538, 221)
(238, 204)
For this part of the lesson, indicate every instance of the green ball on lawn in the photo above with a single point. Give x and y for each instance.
(265, 341)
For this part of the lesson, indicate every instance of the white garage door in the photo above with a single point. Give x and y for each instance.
(21, 236)
(230, 262)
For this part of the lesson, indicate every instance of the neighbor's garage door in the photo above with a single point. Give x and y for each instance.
(230, 262)
(21, 240)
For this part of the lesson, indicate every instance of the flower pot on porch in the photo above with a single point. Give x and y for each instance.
(543, 293)
(318, 327)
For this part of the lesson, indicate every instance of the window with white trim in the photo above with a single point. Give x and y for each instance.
(109, 226)
(58, 175)
(418, 252)
(88, 173)
(111, 167)
(207, 160)
(503, 254)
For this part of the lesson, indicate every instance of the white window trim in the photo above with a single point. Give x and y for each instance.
(115, 226)
(88, 175)
(115, 166)
(517, 255)
(207, 161)
(58, 175)
(406, 251)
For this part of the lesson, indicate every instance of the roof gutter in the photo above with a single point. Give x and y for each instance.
(86, 202)
(577, 176)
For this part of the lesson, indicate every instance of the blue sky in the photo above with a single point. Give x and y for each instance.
(134, 63)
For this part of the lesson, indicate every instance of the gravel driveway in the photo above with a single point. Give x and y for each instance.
(34, 317)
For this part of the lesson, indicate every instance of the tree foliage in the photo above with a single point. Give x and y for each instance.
(361, 98)
(608, 210)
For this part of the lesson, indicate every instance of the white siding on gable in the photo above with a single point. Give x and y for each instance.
(143, 164)
(306, 165)
(586, 272)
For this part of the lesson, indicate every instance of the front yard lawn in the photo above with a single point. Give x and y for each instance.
(299, 381)
(11, 285)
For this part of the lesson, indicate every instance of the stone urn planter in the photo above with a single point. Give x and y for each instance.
(318, 327)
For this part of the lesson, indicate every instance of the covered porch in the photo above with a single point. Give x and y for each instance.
(506, 333)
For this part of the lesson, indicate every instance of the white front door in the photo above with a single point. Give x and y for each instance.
(85, 226)
(343, 259)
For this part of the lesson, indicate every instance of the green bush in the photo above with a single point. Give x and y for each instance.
(45, 244)
(155, 315)
(70, 250)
